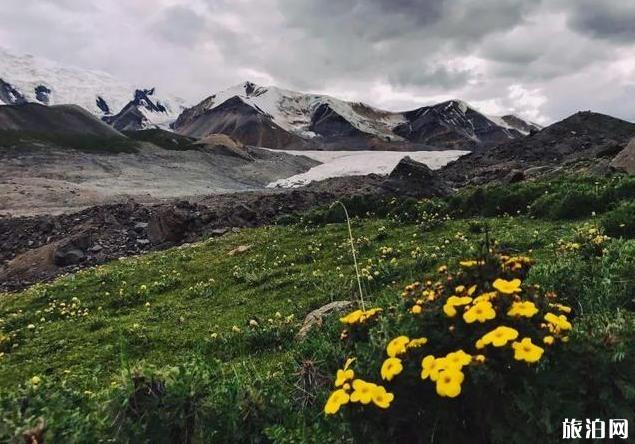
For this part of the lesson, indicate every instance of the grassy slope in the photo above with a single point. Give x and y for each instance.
(82, 142)
(184, 305)
(282, 273)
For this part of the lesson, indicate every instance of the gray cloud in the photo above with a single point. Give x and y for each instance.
(180, 25)
(609, 19)
(540, 59)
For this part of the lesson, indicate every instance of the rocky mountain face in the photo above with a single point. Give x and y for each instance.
(24, 78)
(583, 137)
(142, 112)
(454, 124)
(283, 119)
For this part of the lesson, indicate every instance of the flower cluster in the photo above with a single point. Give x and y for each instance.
(588, 241)
(482, 315)
(349, 389)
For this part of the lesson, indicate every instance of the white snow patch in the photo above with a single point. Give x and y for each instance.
(358, 163)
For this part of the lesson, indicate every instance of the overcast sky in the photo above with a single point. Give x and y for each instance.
(542, 60)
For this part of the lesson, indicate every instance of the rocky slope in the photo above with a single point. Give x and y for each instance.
(278, 118)
(584, 139)
(38, 248)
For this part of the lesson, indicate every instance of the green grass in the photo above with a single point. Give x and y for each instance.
(281, 273)
(165, 139)
(82, 142)
(190, 308)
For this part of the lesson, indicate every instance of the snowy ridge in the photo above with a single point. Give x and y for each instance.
(446, 124)
(358, 163)
(293, 110)
(39, 80)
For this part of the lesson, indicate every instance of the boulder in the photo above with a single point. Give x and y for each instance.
(514, 176)
(412, 178)
(31, 264)
(625, 160)
(316, 317)
(72, 251)
(168, 224)
(239, 249)
(65, 257)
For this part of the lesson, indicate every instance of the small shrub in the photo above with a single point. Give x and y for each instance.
(571, 204)
(473, 335)
(620, 222)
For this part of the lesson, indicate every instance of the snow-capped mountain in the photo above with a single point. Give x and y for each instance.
(293, 111)
(280, 118)
(145, 110)
(25, 78)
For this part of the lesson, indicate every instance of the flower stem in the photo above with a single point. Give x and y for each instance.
(350, 236)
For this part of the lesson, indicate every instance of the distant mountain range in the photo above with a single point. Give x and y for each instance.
(25, 78)
(277, 118)
(255, 115)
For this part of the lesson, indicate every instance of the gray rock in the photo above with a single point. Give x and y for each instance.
(64, 258)
(315, 318)
(412, 178)
(625, 160)
(168, 225)
(514, 176)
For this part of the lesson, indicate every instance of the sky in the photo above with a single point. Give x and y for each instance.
(540, 59)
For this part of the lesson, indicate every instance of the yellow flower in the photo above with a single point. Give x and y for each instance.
(471, 290)
(479, 358)
(342, 376)
(353, 317)
(455, 301)
(458, 359)
(449, 310)
(442, 269)
(360, 316)
(525, 308)
(562, 308)
(418, 342)
(499, 336)
(337, 399)
(548, 340)
(468, 264)
(362, 391)
(458, 301)
(348, 363)
(416, 309)
(449, 382)
(36, 380)
(382, 398)
(397, 346)
(391, 368)
(526, 351)
(507, 287)
(481, 312)
(460, 289)
(485, 297)
(559, 322)
(431, 366)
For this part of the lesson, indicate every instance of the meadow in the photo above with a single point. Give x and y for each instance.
(198, 343)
